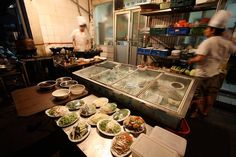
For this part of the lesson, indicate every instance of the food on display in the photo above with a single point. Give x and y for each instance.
(121, 114)
(109, 108)
(75, 104)
(57, 111)
(99, 102)
(109, 127)
(68, 120)
(134, 124)
(79, 132)
(93, 120)
(88, 110)
(121, 144)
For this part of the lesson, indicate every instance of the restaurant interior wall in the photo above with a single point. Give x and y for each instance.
(52, 22)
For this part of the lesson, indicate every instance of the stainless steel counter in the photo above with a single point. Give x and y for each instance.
(97, 144)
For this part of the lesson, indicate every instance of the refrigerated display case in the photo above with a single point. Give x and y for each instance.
(162, 96)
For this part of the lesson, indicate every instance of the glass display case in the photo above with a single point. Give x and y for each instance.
(167, 91)
(135, 82)
(111, 76)
(164, 97)
(91, 71)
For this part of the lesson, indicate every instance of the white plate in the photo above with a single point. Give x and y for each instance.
(78, 104)
(60, 115)
(91, 122)
(49, 115)
(99, 102)
(122, 155)
(120, 120)
(89, 106)
(109, 134)
(84, 137)
(67, 124)
(102, 111)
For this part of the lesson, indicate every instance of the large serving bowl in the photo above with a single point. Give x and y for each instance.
(49, 84)
(77, 89)
(61, 79)
(61, 94)
(68, 84)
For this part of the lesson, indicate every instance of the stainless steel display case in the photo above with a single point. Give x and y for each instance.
(162, 96)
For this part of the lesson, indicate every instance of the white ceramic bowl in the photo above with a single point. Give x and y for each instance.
(77, 89)
(61, 93)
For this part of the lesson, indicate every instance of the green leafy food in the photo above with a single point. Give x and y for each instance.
(68, 119)
(110, 126)
(75, 104)
(79, 131)
(120, 114)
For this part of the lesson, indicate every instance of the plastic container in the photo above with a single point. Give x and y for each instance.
(169, 139)
(145, 146)
(157, 31)
(178, 31)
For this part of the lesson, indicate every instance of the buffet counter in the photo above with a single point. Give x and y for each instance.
(96, 144)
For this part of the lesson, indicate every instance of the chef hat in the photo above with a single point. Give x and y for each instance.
(220, 19)
(81, 20)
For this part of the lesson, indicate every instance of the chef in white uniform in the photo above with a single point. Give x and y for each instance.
(80, 36)
(211, 54)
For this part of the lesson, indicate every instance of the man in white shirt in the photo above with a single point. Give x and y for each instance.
(211, 54)
(81, 37)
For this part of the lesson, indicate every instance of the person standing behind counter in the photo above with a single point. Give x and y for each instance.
(81, 37)
(211, 54)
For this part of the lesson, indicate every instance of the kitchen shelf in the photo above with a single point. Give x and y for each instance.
(179, 10)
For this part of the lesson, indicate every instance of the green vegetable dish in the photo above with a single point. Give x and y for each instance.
(109, 127)
(79, 132)
(67, 120)
(109, 108)
(121, 115)
(75, 104)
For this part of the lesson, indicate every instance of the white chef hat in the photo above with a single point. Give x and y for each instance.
(81, 20)
(220, 19)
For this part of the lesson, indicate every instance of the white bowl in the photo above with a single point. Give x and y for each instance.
(61, 93)
(77, 89)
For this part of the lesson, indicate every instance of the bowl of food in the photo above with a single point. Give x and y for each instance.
(109, 127)
(68, 84)
(99, 102)
(77, 89)
(121, 144)
(108, 108)
(88, 110)
(61, 94)
(50, 84)
(93, 120)
(79, 132)
(75, 105)
(68, 119)
(61, 79)
(121, 115)
(134, 125)
(57, 111)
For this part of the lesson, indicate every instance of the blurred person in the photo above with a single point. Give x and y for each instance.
(81, 37)
(210, 59)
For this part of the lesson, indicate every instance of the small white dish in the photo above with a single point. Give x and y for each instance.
(61, 94)
(77, 89)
